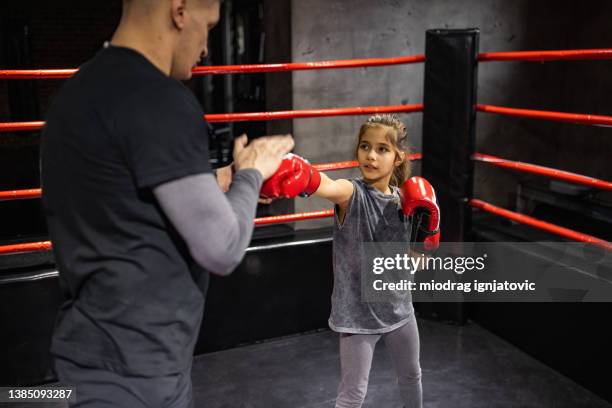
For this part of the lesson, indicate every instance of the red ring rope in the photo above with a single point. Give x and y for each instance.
(543, 171)
(258, 116)
(20, 194)
(20, 126)
(277, 219)
(524, 219)
(555, 229)
(353, 163)
(301, 66)
(25, 247)
(361, 110)
(546, 115)
(233, 69)
(36, 192)
(574, 55)
(37, 73)
(336, 166)
(542, 225)
(312, 113)
(588, 54)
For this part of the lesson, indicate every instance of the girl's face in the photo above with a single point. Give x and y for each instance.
(376, 155)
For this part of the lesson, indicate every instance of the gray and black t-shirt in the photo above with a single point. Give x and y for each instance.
(371, 216)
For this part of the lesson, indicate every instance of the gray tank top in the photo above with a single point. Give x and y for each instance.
(371, 216)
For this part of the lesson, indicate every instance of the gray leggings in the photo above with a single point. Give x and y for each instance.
(356, 352)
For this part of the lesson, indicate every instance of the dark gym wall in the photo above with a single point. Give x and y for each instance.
(339, 29)
(63, 34)
(573, 86)
(60, 34)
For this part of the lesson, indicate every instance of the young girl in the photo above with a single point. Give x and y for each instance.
(368, 209)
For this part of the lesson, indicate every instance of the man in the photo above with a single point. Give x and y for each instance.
(131, 201)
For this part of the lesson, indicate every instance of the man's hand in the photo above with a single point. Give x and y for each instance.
(263, 154)
(224, 177)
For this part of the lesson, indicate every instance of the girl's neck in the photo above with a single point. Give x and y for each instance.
(381, 185)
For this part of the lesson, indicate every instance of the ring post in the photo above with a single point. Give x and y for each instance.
(449, 119)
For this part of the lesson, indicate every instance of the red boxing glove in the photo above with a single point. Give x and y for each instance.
(295, 176)
(419, 200)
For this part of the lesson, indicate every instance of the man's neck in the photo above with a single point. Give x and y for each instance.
(154, 47)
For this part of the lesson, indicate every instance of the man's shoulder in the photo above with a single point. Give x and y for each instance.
(117, 74)
(162, 100)
(122, 90)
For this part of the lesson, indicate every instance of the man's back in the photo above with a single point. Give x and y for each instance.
(117, 129)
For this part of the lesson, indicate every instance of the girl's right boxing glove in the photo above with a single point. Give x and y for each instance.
(295, 176)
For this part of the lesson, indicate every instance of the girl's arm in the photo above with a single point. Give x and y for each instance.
(337, 191)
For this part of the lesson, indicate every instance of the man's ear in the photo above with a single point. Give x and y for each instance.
(178, 13)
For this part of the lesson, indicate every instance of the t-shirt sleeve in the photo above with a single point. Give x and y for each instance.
(163, 135)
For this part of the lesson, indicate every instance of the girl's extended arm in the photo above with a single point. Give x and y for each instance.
(337, 191)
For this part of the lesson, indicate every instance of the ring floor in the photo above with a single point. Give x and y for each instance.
(463, 366)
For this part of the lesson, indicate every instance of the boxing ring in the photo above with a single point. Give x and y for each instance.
(578, 118)
(314, 244)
